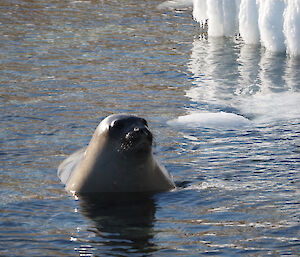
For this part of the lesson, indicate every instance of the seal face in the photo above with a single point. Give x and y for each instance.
(132, 133)
(118, 158)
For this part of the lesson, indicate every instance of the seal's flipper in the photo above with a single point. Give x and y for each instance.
(66, 168)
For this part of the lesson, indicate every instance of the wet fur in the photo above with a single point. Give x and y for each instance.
(119, 158)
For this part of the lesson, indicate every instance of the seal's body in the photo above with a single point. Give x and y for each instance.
(118, 158)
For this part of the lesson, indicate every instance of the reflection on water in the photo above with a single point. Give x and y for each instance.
(64, 65)
(267, 85)
(125, 220)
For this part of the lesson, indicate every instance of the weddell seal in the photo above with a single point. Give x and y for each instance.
(118, 158)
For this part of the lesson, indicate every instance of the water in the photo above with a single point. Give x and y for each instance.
(225, 116)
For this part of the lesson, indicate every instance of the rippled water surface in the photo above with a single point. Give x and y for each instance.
(225, 118)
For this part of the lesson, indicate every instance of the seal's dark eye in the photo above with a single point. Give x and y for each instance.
(117, 124)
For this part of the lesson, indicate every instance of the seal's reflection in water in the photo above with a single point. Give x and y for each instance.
(125, 219)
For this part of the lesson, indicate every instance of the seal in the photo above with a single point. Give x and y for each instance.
(119, 158)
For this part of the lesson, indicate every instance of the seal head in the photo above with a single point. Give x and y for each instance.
(130, 134)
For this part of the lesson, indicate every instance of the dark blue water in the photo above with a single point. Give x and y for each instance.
(225, 118)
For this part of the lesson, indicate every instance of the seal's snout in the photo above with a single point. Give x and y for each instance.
(132, 133)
